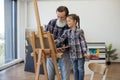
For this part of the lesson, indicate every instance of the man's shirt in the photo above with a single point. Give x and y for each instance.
(56, 31)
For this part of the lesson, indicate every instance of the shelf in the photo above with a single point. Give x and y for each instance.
(96, 44)
(96, 50)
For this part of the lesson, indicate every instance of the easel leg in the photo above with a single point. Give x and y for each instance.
(38, 65)
(35, 61)
(45, 68)
(56, 67)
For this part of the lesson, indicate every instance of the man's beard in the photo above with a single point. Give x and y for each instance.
(60, 24)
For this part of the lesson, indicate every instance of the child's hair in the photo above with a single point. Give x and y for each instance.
(75, 17)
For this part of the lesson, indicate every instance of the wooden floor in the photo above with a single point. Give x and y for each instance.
(17, 73)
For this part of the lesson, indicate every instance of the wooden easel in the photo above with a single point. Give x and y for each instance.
(46, 48)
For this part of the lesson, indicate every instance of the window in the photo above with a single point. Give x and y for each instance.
(2, 56)
(9, 31)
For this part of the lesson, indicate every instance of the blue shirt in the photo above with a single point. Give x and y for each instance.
(76, 43)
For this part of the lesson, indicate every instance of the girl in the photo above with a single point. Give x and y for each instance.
(77, 45)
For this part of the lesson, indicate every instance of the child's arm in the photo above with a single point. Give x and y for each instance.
(61, 39)
(83, 45)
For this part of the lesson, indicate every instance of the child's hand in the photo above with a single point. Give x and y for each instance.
(86, 56)
(55, 41)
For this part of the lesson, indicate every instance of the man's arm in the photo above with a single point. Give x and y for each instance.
(50, 26)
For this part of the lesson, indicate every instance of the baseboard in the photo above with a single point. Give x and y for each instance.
(4, 66)
(115, 62)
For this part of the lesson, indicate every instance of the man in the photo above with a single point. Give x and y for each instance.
(57, 27)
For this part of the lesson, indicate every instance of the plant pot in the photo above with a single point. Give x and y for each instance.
(108, 63)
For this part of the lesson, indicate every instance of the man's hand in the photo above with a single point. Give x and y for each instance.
(60, 50)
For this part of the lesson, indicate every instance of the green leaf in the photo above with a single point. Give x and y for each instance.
(110, 52)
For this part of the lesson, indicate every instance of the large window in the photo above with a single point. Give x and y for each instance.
(2, 51)
(8, 31)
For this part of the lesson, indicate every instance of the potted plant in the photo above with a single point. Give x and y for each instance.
(110, 54)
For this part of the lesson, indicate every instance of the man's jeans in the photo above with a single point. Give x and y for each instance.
(63, 65)
(78, 68)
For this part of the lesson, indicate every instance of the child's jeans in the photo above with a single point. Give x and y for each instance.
(78, 68)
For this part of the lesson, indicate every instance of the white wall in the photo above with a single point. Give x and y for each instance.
(21, 24)
(100, 19)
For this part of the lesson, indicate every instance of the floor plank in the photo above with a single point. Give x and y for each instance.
(17, 72)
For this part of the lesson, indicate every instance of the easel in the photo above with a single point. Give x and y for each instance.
(46, 49)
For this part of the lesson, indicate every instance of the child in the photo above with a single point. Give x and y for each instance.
(77, 45)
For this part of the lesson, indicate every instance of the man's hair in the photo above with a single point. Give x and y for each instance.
(63, 9)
